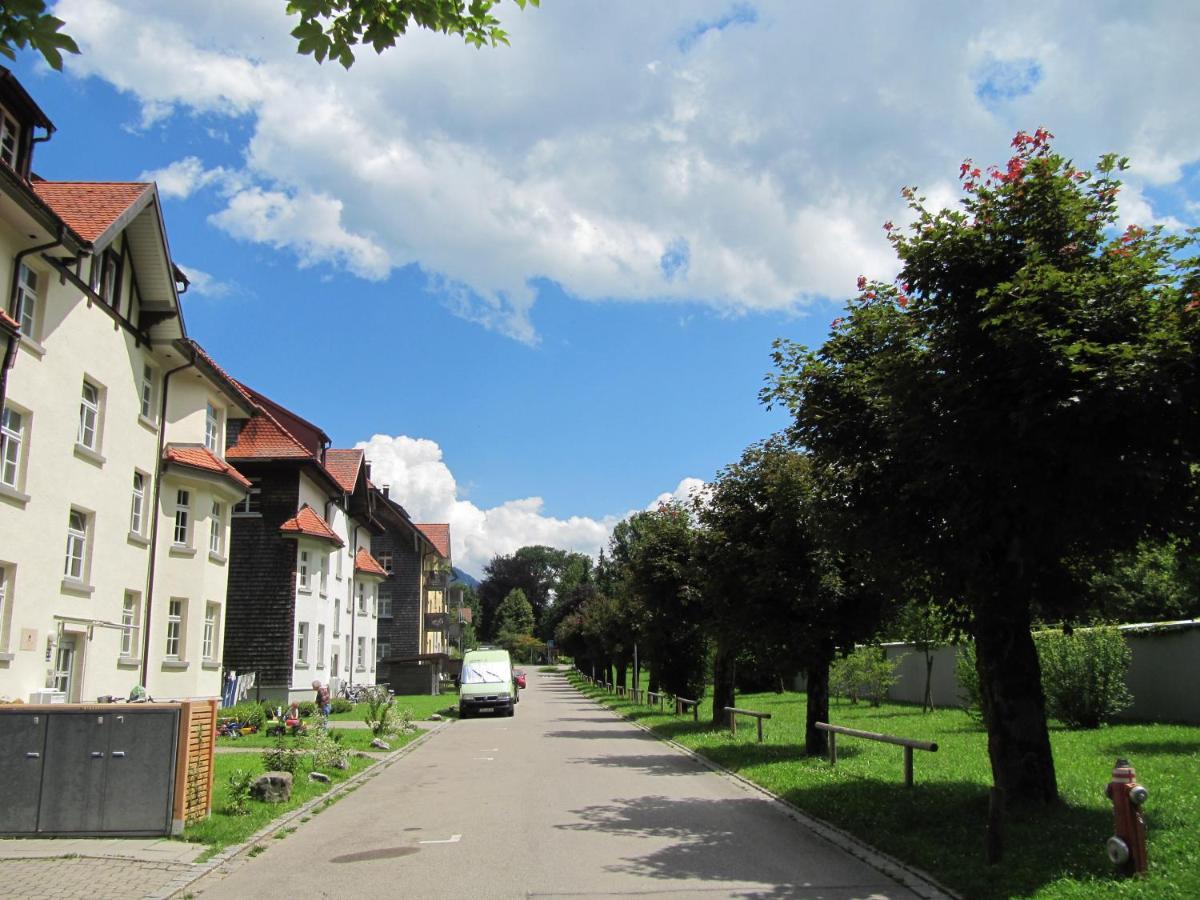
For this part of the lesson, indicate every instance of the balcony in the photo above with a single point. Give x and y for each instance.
(435, 580)
(436, 621)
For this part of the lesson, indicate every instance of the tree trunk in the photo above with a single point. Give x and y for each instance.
(815, 740)
(622, 671)
(1014, 707)
(724, 675)
(927, 701)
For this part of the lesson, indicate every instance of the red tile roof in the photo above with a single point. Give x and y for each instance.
(344, 465)
(90, 207)
(367, 564)
(439, 536)
(262, 437)
(308, 523)
(202, 458)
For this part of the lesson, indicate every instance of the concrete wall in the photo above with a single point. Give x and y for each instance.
(1163, 674)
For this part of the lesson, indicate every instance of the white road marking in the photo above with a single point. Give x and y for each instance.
(453, 839)
(489, 758)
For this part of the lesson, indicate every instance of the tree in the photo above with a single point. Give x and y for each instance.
(541, 572)
(1019, 402)
(1156, 581)
(924, 625)
(772, 582)
(652, 556)
(515, 615)
(25, 23)
(333, 28)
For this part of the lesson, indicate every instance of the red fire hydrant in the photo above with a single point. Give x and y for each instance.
(1127, 848)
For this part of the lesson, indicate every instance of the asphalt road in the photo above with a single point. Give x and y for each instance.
(564, 800)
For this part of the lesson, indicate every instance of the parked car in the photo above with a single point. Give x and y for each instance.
(519, 674)
(486, 682)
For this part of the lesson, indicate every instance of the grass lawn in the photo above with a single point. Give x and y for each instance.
(422, 706)
(939, 825)
(351, 738)
(221, 829)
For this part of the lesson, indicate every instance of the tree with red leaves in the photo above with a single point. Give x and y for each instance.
(1019, 405)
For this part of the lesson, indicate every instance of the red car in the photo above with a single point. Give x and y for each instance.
(519, 674)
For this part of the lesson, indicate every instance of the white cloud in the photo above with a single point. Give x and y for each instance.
(421, 481)
(769, 142)
(684, 492)
(184, 177)
(206, 285)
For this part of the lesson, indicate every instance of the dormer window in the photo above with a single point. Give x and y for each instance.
(10, 132)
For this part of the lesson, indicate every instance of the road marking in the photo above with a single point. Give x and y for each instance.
(489, 749)
(489, 758)
(454, 839)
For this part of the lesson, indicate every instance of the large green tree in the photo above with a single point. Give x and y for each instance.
(1020, 401)
(331, 29)
(25, 23)
(774, 589)
(515, 615)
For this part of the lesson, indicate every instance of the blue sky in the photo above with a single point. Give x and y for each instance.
(542, 281)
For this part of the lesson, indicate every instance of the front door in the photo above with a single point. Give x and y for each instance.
(66, 667)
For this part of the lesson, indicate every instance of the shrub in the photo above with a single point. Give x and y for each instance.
(380, 711)
(1083, 675)
(247, 713)
(308, 708)
(239, 792)
(867, 672)
(340, 705)
(327, 750)
(281, 757)
(968, 679)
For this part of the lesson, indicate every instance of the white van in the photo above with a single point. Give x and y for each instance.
(486, 682)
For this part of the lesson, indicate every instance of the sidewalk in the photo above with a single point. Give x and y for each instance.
(90, 868)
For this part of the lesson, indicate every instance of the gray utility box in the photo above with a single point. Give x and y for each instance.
(87, 770)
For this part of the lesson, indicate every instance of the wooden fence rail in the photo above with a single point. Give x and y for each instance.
(735, 712)
(908, 744)
(682, 702)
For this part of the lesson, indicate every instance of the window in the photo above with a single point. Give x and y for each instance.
(302, 643)
(339, 565)
(129, 625)
(77, 534)
(12, 439)
(4, 606)
(320, 645)
(373, 597)
(385, 560)
(385, 607)
(138, 505)
(212, 428)
(216, 529)
(360, 661)
(373, 656)
(337, 615)
(384, 650)
(110, 278)
(182, 519)
(175, 620)
(27, 300)
(347, 663)
(212, 616)
(9, 134)
(362, 599)
(304, 570)
(147, 392)
(89, 416)
(251, 504)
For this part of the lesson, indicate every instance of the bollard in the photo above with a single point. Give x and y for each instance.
(1127, 848)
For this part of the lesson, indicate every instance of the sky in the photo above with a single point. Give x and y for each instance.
(539, 283)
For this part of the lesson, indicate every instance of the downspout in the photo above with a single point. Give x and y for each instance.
(158, 466)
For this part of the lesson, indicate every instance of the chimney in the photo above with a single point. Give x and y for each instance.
(386, 490)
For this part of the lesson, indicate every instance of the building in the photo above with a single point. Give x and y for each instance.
(303, 584)
(114, 491)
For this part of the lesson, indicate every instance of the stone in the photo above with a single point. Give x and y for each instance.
(318, 776)
(272, 787)
(340, 764)
(436, 717)
(380, 744)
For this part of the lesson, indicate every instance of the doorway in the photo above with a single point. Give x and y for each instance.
(66, 666)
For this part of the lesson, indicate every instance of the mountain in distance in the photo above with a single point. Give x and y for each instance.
(465, 578)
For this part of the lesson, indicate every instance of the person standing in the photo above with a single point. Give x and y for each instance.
(323, 704)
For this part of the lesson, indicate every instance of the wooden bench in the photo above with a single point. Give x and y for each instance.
(907, 743)
(735, 712)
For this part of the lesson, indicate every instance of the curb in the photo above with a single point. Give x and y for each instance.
(920, 883)
(198, 871)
